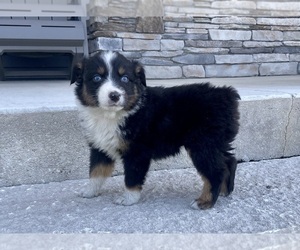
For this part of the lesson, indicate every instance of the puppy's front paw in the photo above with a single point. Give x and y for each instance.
(88, 192)
(92, 189)
(194, 205)
(129, 198)
(201, 204)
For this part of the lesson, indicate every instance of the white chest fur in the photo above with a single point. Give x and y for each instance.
(102, 129)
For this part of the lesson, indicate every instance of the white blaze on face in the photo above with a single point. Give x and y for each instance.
(109, 89)
(105, 92)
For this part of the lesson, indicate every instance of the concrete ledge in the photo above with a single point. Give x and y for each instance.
(41, 140)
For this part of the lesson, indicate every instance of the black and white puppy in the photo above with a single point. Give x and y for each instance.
(128, 121)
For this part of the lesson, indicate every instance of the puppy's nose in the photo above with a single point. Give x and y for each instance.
(114, 96)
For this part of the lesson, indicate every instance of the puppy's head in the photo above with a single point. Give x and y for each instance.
(109, 81)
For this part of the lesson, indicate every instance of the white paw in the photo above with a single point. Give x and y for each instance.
(88, 192)
(93, 188)
(194, 205)
(129, 198)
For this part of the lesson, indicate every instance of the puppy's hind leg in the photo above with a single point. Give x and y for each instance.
(229, 176)
(101, 167)
(210, 165)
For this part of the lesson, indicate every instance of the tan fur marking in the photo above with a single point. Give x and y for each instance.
(224, 186)
(132, 99)
(121, 70)
(206, 193)
(205, 199)
(102, 171)
(136, 188)
(101, 70)
(224, 190)
(87, 97)
(138, 69)
(79, 65)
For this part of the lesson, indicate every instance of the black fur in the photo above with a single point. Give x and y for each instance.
(199, 117)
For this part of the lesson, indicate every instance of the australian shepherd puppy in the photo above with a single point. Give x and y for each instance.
(128, 121)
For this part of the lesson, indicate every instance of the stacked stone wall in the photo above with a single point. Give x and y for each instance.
(186, 44)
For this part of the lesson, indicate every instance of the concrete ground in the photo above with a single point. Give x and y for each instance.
(265, 200)
(263, 212)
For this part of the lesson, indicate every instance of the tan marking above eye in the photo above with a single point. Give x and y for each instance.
(121, 70)
(88, 99)
(138, 69)
(101, 70)
(79, 65)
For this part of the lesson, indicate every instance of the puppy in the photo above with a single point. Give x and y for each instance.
(128, 121)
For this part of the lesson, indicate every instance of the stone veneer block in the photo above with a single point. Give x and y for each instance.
(233, 59)
(292, 43)
(162, 53)
(287, 50)
(175, 30)
(234, 5)
(267, 35)
(150, 24)
(290, 35)
(271, 57)
(155, 61)
(139, 44)
(207, 50)
(198, 26)
(279, 21)
(169, 44)
(104, 43)
(230, 35)
(272, 69)
(253, 44)
(214, 44)
(195, 59)
(295, 58)
(193, 71)
(251, 50)
(130, 35)
(185, 36)
(196, 31)
(231, 70)
(285, 6)
(234, 20)
(163, 72)
(131, 54)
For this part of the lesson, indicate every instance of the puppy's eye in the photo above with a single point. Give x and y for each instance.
(97, 78)
(125, 79)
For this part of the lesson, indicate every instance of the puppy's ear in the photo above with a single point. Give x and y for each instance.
(140, 73)
(77, 72)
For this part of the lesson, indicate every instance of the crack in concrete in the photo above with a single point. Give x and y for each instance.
(287, 125)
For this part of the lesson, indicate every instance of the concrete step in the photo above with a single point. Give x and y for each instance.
(41, 140)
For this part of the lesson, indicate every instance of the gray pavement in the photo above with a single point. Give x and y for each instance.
(265, 200)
